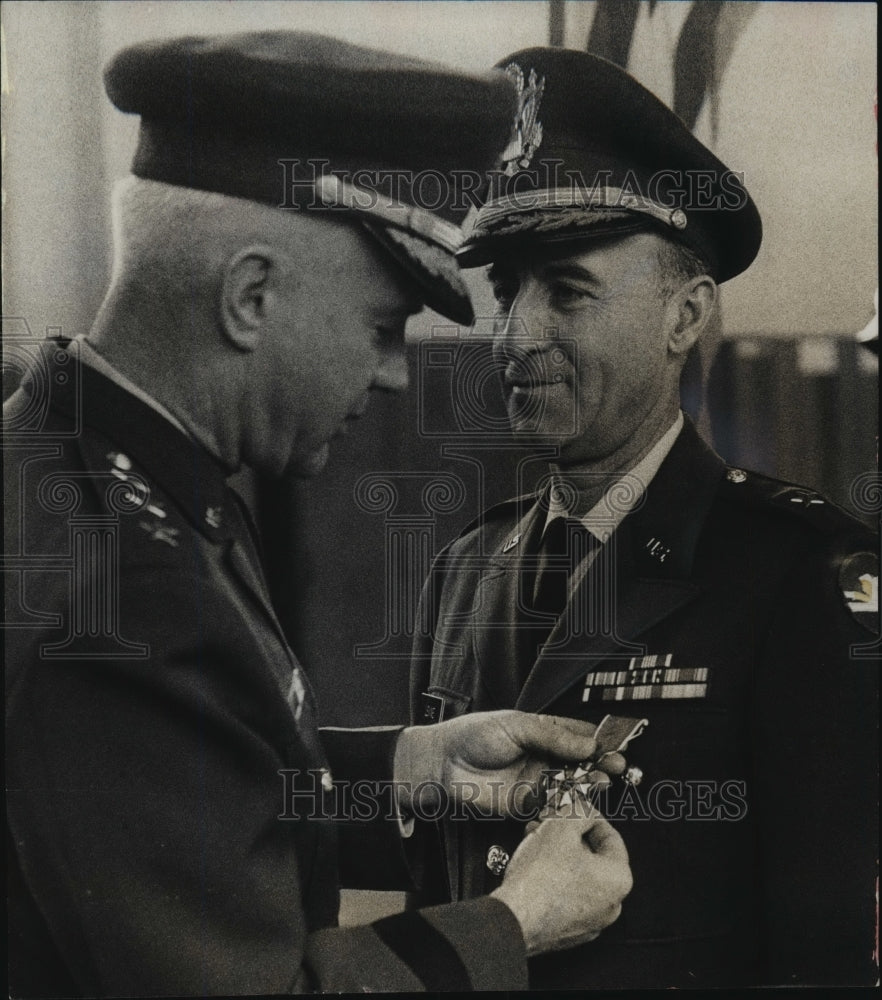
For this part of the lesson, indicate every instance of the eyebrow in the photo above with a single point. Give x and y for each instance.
(549, 270)
(553, 269)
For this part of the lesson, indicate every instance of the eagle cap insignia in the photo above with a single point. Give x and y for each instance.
(527, 132)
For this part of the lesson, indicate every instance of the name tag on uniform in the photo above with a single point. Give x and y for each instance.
(433, 708)
(646, 677)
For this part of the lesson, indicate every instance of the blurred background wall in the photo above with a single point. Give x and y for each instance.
(781, 91)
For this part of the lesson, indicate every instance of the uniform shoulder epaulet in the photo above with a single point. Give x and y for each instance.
(498, 512)
(144, 510)
(850, 547)
(807, 505)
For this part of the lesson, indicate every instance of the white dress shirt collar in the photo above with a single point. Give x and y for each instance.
(605, 516)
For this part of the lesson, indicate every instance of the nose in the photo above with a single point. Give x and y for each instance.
(392, 374)
(518, 329)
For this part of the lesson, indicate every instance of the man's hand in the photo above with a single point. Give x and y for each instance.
(566, 881)
(490, 761)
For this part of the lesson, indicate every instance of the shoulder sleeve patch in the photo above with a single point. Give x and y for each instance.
(859, 583)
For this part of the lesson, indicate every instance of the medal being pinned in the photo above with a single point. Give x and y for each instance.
(585, 778)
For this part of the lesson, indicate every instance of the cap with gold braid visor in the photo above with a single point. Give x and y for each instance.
(304, 122)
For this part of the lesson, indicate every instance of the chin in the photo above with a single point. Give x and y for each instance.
(540, 434)
(537, 420)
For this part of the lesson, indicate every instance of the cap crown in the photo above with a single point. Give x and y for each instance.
(594, 152)
(266, 115)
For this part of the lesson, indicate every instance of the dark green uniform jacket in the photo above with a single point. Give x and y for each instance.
(152, 702)
(737, 614)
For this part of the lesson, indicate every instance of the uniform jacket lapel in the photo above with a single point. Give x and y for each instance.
(243, 559)
(494, 637)
(647, 566)
(182, 469)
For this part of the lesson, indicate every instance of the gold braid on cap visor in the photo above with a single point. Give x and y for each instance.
(555, 208)
(336, 193)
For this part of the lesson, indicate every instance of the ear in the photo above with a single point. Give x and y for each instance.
(692, 306)
(246, 295)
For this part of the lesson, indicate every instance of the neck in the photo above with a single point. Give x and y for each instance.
(594, 476)
(167, 357)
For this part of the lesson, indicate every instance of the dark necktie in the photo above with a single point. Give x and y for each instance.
(564, 545)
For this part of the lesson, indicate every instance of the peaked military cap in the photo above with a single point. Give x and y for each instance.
(594, 153)
(302, 121)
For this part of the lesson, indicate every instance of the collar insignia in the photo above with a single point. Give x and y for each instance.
(527, 133)
(657, 549)
(161, 533)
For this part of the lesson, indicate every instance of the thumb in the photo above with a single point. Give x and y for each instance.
(578, 808)
(601, 838)
(558, 737)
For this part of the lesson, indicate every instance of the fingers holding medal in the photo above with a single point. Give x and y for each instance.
(584, 780)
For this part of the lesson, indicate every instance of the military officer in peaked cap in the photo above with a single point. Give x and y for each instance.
(169, 793)
(736, 614)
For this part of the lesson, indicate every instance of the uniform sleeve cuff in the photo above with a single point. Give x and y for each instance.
(377, 849)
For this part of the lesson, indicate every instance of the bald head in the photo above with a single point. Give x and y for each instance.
(261, 330)
(173, 244)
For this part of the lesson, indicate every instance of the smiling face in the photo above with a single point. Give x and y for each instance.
(337, 308)
(583, 342)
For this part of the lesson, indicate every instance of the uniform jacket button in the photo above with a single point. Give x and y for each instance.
(497, 859)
